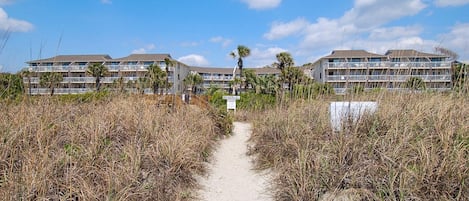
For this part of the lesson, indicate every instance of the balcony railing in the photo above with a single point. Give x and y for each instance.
(63, 68)
(341, 65)
(427, 78)
(60, 90)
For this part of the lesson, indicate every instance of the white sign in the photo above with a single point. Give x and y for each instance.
(343, 111)
(231, 102)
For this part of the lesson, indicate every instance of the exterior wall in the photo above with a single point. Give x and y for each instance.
(75, 79)
(221, 77)
(343, 75)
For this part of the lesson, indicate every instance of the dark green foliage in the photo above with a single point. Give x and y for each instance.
(11, 85)
(415, 83)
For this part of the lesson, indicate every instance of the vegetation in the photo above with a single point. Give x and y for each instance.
(115, 149)
(241, 52)
(98, 71)
(460, 77)
(27, 74)
(50, 80)
(11, 86)
(415, 83)
(414, 148)
(156, 77)
(193, 80)
(169, 63)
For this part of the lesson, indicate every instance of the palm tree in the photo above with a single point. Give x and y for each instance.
(50, 80)
(119, 84)
(415, 83)
(234, 84)
(242, 52)
(251, 78)
(284, 61)
(26, 73)
(157, 77)
(193, 80)
(98, 71)
(169, 63)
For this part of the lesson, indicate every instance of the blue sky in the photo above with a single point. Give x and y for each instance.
(203, 33)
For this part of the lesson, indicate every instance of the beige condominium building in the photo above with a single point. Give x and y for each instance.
(344, 69)
(76, 80)
(221, 77)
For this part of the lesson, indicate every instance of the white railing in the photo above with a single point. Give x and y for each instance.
(439, 64)
(60, 90)
(433, 78)
(66, 68)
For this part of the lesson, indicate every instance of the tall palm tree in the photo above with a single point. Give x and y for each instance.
(157, 77)
(193, 80)
(284, 61)
(169, 63)
(241, 52)
(26, 73)
(97, 70)
(50, 80)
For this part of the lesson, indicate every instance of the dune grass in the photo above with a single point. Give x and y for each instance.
(416, 147)
(122, 148)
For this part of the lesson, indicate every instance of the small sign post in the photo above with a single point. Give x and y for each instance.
(231, 102)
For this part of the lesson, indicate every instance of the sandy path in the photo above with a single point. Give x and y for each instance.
(231, 177)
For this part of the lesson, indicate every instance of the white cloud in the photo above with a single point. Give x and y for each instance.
(373, 13)
(13, 25)
(106, 1)
(389, 33)
(262, 4)
(444, 3)
(225, 42)
(457, 40)
(194, 60)
(280, 29)
(361, 27)
(262, 57)
(144, 50)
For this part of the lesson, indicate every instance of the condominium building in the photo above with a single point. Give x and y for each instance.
(221, 77)
(344, 69)
(76, 80)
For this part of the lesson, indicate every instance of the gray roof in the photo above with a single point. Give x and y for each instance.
(230, 70)
(74, 58)
(411, 54)
(347, 54)
(144, 57)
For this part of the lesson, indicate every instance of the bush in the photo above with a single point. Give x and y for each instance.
(416, 147)
(124, 149)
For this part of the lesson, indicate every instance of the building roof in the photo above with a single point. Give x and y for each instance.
(74, 58)
(144, 57)
(230, 70)
(347, 54)
(411, 54)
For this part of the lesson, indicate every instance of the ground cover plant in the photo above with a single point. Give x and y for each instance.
(113, 148)
(416, 147)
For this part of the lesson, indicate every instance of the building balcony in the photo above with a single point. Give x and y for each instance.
(82, 68)
(217, 78)
(60, 90)
(401, 78)
(383, 65)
